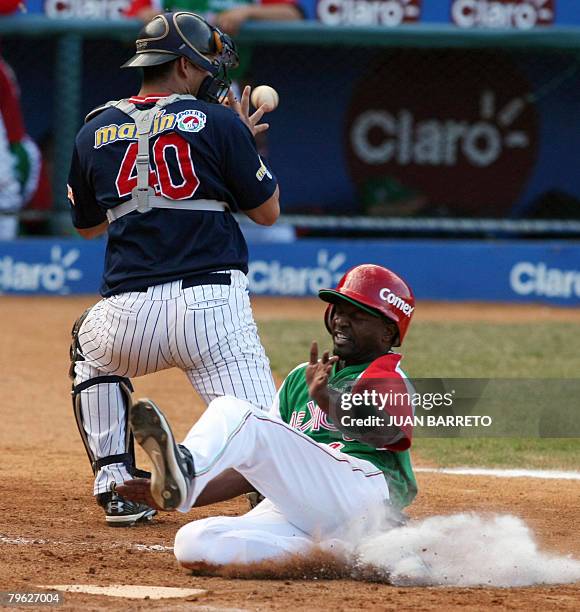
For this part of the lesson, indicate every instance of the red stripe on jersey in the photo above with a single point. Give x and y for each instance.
(148, 98)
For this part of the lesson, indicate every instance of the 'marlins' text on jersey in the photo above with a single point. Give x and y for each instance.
(189, 121)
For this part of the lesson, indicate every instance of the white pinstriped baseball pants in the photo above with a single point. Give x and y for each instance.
(313, 491)
(207, 331)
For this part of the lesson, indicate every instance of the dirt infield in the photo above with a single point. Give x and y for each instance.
(51, 531)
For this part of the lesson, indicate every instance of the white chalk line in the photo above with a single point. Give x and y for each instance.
(20, 541)
(504, 473)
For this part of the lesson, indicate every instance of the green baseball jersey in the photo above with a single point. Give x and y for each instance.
(295, 406)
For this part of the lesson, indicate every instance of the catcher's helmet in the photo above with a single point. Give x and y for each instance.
(181, 34)
(376, 290)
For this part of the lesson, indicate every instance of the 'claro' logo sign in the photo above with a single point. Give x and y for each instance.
(536, 278)
(438, 126)
(520, 14)
(86, 9)
(388, 13)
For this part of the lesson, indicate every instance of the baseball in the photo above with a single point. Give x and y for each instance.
(264, 94)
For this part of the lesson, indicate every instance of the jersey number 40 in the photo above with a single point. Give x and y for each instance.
(161, 178)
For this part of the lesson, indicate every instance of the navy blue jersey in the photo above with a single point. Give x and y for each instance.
(197, 151)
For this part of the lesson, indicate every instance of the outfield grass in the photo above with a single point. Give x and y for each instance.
(464, 350)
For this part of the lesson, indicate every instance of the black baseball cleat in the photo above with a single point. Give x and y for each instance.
(122, 512)
(173, 472)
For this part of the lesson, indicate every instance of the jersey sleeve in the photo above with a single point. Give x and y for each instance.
(247, 175)
(85, 210)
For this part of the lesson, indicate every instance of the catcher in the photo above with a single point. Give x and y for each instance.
(316, 479)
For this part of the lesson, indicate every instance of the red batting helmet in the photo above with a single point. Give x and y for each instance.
(376, 290)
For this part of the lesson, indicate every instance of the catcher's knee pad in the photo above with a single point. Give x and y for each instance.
(75, 347)
(128, 457)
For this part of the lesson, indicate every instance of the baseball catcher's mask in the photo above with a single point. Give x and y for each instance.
(376, 290)
(171, 35)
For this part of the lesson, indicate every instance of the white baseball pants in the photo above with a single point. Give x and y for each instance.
(313, 491)
(208, 331)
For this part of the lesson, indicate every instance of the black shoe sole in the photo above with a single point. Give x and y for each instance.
(169, 485)
(132, 520)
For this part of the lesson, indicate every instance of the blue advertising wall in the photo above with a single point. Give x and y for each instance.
(464, 13)
(547, 272)
(527, 13)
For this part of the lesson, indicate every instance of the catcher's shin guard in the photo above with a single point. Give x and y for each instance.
(126, 388)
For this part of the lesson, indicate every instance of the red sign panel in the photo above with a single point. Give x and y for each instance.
(446, 131)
